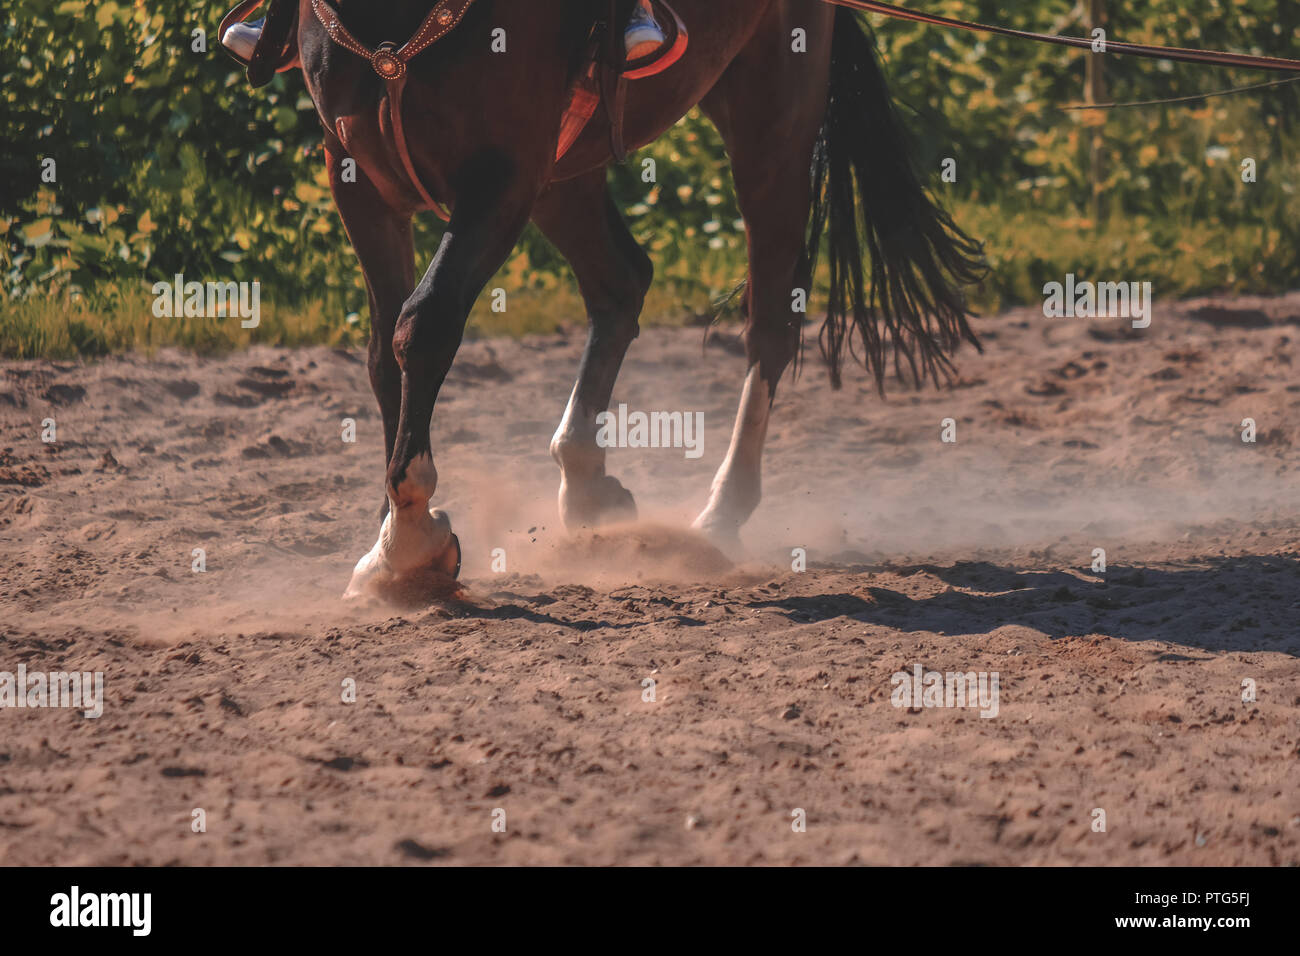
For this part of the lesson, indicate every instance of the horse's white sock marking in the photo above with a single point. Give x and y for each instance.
(574, 445)
(418, 486)
(412, 538)
(576, 431)
(587, 496)
(738, 485)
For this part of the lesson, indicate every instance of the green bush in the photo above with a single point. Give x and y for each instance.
(167, 162)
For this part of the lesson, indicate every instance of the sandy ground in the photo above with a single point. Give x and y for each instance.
(1118, 691)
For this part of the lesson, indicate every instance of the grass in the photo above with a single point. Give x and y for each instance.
(72, 326)
(90, 327)
(1025, 250)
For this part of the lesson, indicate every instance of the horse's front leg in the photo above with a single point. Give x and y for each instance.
(381, 237)
(417, 550)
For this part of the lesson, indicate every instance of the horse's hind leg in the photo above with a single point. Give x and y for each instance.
(613, 273)
(416, 548)
(767, 88)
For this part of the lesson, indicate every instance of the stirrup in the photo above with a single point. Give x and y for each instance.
(673, 48)
(238, 18)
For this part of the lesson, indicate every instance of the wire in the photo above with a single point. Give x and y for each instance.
(1180, 99)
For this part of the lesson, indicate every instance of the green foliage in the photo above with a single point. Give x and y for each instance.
(168, 162)
(995, 103)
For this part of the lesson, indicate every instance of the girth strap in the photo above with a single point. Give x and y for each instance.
(613, 86)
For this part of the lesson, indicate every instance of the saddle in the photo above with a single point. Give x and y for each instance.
(607, 70)
(602, 78)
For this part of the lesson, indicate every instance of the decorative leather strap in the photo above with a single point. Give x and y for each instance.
(395, 87)
(390, 63)
(584, 96)
(388, 60)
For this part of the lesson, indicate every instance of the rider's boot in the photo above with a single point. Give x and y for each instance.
(241, 38)
(644, 37)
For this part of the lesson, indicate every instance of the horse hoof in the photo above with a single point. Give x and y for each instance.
(390, 577)
(604, 501)
(723, 535)
(451, 559)
(616, 502)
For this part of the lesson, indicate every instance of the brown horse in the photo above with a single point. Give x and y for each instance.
(817, 152)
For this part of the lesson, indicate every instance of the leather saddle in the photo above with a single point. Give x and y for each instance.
(604, 76)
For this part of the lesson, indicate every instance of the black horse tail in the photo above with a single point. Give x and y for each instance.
(866, 192)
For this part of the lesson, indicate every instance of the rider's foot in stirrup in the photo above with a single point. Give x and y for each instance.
(241, 39)
(644, 37)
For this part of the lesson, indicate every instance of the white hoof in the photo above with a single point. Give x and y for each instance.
(722, 533)
(600, 502)
(416, 558)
